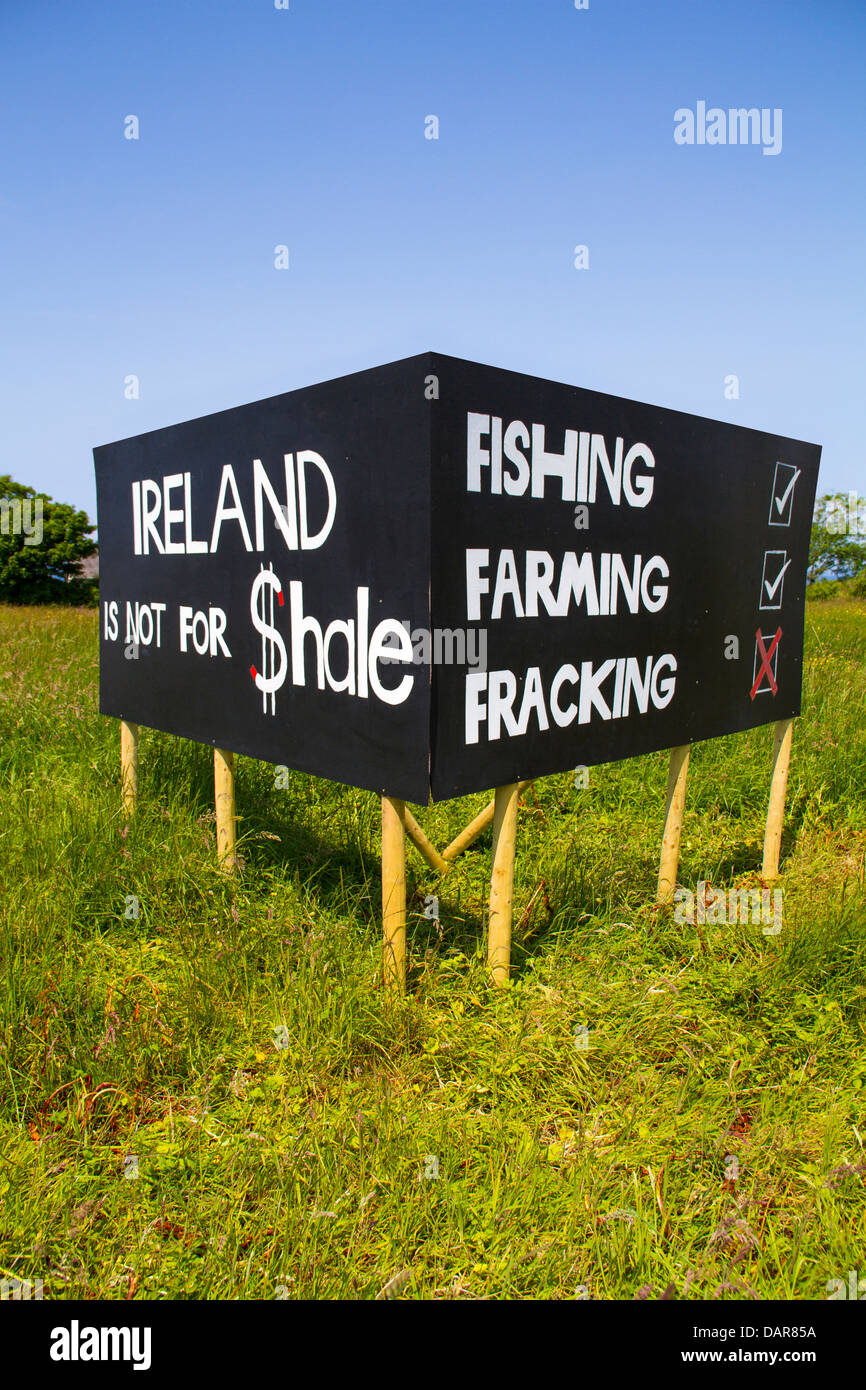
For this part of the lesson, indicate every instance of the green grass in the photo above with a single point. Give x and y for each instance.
(300, 1171)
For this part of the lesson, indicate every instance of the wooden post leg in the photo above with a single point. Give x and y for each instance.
(783, 735)
(502, 882)
(224, 797)
(394, 894)
(128, 765)
(670, 856)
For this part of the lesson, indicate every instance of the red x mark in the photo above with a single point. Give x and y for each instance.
(766, 669)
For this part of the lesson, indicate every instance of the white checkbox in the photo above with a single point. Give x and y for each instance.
(776, 563)
(782, 495)
(766, 662)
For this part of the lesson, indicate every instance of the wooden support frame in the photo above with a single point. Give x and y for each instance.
(398, 823)
(783, 735)
(422, 844)
(394, 894)
(128, 766)
(676, 800)
(502, 882)
(475, 828)
(224, 800)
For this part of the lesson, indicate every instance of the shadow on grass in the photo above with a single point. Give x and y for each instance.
(275, 836)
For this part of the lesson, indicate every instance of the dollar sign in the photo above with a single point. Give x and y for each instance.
(268, 680)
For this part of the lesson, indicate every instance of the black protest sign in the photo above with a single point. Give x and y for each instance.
(440, 577)
(256, 564)
(639, 574)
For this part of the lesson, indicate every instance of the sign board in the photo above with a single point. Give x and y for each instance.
(435, 577)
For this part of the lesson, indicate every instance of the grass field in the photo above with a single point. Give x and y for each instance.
(157, 1142)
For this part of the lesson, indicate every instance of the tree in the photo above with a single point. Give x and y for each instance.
(837, 549)
(42, 544)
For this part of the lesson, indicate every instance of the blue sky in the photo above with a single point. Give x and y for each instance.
(261, 127)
